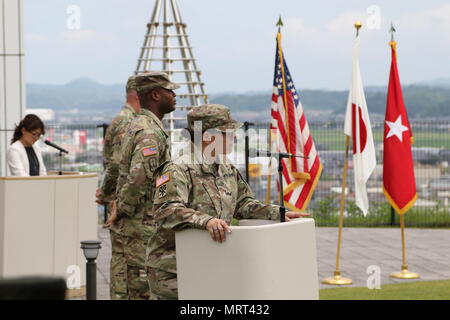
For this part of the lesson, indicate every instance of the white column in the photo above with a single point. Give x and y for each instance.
(12, 84)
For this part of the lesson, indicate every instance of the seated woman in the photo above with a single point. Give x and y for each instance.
(24, 156)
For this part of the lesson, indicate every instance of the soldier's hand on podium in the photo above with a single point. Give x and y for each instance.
(217, 229)
(99, 196)
(294, 214)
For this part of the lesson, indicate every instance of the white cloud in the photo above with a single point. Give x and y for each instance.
(35, 37)
(298, 27)
(343, 23)
(429, 24)
(74, 38)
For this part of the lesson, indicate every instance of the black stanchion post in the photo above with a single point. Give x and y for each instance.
(246, 126)
(90, 251)
(91, 280)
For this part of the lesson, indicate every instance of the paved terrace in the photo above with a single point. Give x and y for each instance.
(428, 253)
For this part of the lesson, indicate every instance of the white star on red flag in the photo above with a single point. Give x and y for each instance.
(396, 128)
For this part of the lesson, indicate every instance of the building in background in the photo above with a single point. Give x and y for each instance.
(12, 88)
(44, 114)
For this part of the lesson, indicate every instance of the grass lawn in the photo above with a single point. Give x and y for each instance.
(416, 218)
(419, 290)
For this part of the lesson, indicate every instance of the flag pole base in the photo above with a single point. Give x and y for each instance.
(337, 280)
(405, 274)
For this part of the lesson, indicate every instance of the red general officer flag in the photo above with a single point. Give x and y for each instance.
(399, 184)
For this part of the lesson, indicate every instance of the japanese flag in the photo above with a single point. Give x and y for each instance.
(357, 126)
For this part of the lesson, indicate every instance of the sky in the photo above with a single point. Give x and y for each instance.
(234, 40)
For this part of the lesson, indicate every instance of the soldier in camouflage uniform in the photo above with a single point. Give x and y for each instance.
(107, 192)
(196, 191)
(144, 147)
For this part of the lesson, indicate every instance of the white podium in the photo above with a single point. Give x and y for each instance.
(43, 220)
(261, 259)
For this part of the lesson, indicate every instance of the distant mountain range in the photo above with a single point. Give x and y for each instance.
(86, 97)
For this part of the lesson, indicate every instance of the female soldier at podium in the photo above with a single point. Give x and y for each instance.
(200, 190)
(24, 157)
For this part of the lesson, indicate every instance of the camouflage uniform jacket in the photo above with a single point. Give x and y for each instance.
(144, 148)
(111, 150)
(189, 195)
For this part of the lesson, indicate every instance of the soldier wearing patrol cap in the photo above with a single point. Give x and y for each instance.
(144, 147)
(195, 191)
(106, 194)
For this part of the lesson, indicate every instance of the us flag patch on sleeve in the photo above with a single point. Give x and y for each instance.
(162, 179)
(148, 151)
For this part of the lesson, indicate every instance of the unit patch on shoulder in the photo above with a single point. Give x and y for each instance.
(162, 191)
(153, 163)
(148, 151)
(162, 179)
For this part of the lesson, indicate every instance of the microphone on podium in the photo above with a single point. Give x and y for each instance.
(280, 155)
(51, 144)
(263, 153)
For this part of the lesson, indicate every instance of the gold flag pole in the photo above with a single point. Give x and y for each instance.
(269, 179)
(285, 102)
(337, 279)
(405, 273)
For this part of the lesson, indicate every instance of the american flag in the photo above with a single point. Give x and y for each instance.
(290, 133)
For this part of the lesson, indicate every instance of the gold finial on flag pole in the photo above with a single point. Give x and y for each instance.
(392, 31)
(358, 26)
(393, 43)
(279, 23)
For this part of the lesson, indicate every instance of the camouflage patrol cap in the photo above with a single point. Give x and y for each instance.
(212, 116)
(131, 83)
(151, 80)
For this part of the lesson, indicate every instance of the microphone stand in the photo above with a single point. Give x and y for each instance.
(60, 163)
(246, 126)
(60, 155)
(280, 177)
(281, 156)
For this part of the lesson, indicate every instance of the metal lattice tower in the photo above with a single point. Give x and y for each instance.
(166, 48)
